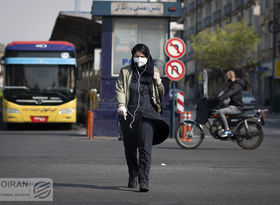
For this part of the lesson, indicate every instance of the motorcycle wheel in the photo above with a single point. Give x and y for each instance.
(251, 139)
(189, 135)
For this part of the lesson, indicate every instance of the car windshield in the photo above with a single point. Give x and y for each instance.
(40, 77)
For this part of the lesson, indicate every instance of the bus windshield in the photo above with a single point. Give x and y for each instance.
(41, 78)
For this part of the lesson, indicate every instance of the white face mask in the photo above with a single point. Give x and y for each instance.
(140, 61)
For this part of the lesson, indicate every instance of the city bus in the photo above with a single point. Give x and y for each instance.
(39, 83)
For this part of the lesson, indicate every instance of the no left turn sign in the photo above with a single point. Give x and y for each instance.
(175, 48)
(175, 70)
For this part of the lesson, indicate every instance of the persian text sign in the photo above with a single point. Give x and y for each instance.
(138, 9)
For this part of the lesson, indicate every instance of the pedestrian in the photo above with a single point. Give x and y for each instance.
(139, 91)
(235, 106)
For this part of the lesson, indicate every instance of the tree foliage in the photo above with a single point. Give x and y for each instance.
(233, 47)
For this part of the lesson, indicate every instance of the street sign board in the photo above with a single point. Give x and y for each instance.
(175, 70)
(175, 48)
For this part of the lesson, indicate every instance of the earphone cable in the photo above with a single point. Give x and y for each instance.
(138, 103)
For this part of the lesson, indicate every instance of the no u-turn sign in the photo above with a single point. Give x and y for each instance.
(175, 48)
(175, 70)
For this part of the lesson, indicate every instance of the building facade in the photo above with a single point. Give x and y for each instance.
(268, 87)
(201, 14)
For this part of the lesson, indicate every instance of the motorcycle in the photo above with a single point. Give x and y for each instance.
(246, 128)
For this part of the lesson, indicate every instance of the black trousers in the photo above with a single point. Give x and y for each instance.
(140, 137)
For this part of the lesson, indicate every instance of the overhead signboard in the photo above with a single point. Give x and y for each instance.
(175, 48)
(132, 9)
(175, 70)
(142, 9)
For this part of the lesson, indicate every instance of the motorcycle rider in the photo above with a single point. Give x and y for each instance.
(235, 106)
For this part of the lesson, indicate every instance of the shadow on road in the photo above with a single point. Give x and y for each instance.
(35, 126)
(117, 188)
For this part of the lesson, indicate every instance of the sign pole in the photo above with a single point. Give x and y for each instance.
(175, 70)
(173, 110)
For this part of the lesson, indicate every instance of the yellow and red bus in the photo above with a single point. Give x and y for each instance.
(39, 82)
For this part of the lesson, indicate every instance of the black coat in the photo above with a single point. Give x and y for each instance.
(145, 110)
(234, 92)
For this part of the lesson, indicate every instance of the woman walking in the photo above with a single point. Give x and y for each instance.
(139, 91)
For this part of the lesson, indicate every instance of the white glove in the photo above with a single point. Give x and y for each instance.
(157, 78)
(122, 111)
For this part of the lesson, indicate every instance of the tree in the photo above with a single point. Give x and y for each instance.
(231, 48)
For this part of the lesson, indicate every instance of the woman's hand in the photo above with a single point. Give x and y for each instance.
(122, 111)
(157, 78)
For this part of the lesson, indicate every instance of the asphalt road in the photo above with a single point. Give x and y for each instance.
(95, 172)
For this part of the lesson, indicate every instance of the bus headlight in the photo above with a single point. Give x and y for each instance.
(67, 111)
(12, 111)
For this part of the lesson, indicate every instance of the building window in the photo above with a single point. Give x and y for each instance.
(270, 4)
(270, 39)
(192, 23)
(262, 7)
(199, 14)
(263, 38)
(250, 16)
(218, 4)
(208, 9)
(266, 4)
(128, 32)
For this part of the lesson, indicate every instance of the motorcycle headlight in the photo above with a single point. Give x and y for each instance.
(67, 111)
(12, 111)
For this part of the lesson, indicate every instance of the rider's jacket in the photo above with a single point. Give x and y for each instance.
(234, 92)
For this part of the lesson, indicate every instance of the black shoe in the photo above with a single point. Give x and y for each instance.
(144, 188)
(132, 183)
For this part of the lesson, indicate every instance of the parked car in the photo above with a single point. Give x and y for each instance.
(249, 100)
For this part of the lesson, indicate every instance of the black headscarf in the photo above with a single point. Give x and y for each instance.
(147, 76)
